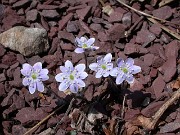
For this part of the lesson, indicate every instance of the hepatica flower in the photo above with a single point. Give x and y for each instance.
(71, 77)
(103, 66)
(85, 44)
(34, 75)
(125, 70)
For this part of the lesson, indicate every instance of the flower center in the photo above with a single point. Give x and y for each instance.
(84, 46)
(71, 77)
(125, 70)
(34, 76)
(103, 67)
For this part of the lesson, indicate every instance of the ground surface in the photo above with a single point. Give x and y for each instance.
(155, 50)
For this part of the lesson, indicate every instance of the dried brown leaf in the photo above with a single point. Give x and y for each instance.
(176, 84)
(84, 123)
(108, 10)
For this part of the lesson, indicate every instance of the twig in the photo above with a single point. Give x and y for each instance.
(66, 114)
(43, 120)
(174, 34)
(122, 111)
(150, 123)
(145, 14)
(152, 19)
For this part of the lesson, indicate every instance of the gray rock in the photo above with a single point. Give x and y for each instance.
(27, 41)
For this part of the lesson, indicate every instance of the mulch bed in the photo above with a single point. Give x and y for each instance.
(156, 51)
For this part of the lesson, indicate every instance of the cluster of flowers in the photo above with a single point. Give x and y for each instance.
(72, 77)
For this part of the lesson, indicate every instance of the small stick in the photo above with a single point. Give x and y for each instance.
(43, 120)
(123, 106)
(150, 123)
(174, 34)
(67, 111)
(152, 19)
(145, 14)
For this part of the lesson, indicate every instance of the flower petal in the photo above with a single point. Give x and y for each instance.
(94, 47)
(99, 73)
(129, 62)
(26, 70)
(79, 50)
(106, 73)
(63, 86)
(80, 83)
(83, 75)
(60, 77)
(69, 65)
(108, 57)
(32, 87)
(80, 67)
(43, 77)
(90, 42)
(83, 40)
(25, 81)
(120, 62)
(130, 79)
(120, 78)
(74, 88)
(78, 42)
(63, 69)
(93, 66)
(135, 69)
(37, 66)
(44, 72)
(114, 72)
(100, 60)
(109, 66)
(40, 86)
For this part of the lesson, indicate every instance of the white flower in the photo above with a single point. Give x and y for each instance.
(71, 77)
(125, 71)
(85, 44)
(103, 66)
(34, 75)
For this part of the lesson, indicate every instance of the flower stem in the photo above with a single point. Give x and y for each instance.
(112, 83)
(86, 62)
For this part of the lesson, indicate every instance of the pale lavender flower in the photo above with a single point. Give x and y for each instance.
(34, 75)
(85, 44)
(71, 77)
(125, 70)
(103, 66)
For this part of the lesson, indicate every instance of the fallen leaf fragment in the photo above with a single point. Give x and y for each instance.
(176, 84)
(84, 123)
(48, 131)
(108, 10)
